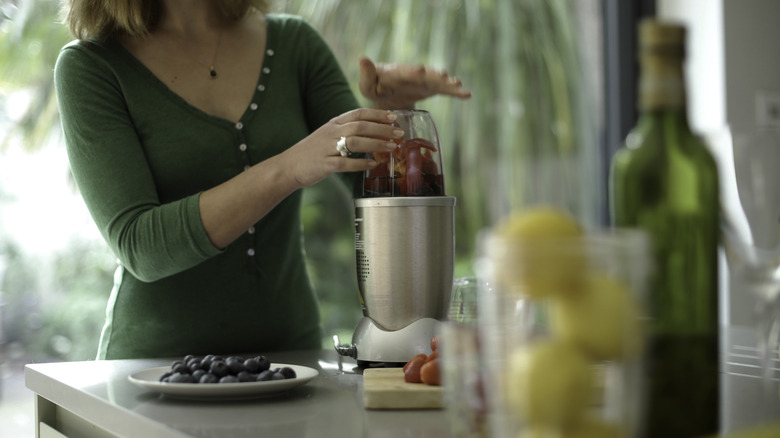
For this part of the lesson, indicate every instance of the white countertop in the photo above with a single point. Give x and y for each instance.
(330, 405)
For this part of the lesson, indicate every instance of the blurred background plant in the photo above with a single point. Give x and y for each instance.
(29, 43)
(529, 134)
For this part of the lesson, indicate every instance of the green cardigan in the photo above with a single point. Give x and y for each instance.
(141, 156)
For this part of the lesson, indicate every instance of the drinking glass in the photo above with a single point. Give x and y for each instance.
(562, 336)
(752, 236)
(463, 386)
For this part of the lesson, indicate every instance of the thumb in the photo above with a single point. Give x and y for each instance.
(369, 81)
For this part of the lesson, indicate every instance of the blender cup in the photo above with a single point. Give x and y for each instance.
(414, 168)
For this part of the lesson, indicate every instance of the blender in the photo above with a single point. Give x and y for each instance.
(404, 248)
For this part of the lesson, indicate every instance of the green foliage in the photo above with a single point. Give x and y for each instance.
(54, 306)
(30, 40)
(529, 133)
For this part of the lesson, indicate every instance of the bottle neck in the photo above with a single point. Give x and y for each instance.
(661, 84)
(662, 102)
(664, 118)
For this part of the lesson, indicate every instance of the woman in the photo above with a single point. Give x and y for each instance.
(191, 127)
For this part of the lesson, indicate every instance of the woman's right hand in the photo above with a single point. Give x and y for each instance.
(365, 130)
(228, 209)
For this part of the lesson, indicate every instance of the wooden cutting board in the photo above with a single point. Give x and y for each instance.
(385, 388)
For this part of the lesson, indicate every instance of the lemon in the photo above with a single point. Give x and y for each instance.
(539, 222)
(548, 384)
(585, 428)
(540, 432)
(770, 430)
(593, 428)
(603, 319)
(538, 252)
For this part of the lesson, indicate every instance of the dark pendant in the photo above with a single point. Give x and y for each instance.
(212, 72)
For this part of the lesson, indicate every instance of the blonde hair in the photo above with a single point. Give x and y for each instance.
(101, 18)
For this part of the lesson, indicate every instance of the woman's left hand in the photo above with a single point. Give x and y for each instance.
(399, 86)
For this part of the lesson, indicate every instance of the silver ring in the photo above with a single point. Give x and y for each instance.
(341, 146)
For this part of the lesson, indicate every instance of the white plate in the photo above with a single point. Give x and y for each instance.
(150, 379)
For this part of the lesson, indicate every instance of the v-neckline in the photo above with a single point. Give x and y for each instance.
(159, 83)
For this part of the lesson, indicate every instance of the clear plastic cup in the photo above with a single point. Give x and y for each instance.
(462, 379)
(561, 334)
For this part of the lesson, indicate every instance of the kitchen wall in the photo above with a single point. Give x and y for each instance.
(752, 48)
(733, 77)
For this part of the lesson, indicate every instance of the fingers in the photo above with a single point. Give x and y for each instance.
(352, 164)
(367, 123)
(367, 115)
(356, 144)
(371, 130)
(401, 85)
(423, 80)
(364, 130)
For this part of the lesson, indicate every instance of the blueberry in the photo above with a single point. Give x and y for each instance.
(181, 368)
(265, 376)
(206, 362)
(287, 372)
(166, 376)
(277, 376)
(246, 376)
(235, 365)
(219, 368)
(228, 379)
(209, 378)
(197, 374)
(264, 363)
(181, 378)
(188, 357)
(252, 365)
(193, 365)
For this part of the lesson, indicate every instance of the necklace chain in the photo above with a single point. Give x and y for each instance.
(212, 71)
(211, 66)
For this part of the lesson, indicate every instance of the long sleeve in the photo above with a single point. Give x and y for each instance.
(151, 239)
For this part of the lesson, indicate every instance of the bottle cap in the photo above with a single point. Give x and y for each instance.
(661, 56)
(663, 38)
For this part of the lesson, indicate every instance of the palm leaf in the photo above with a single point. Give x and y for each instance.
(523, 137)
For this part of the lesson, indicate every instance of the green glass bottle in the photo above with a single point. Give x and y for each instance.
(665, 182)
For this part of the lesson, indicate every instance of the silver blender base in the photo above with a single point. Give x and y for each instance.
(371, 343)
